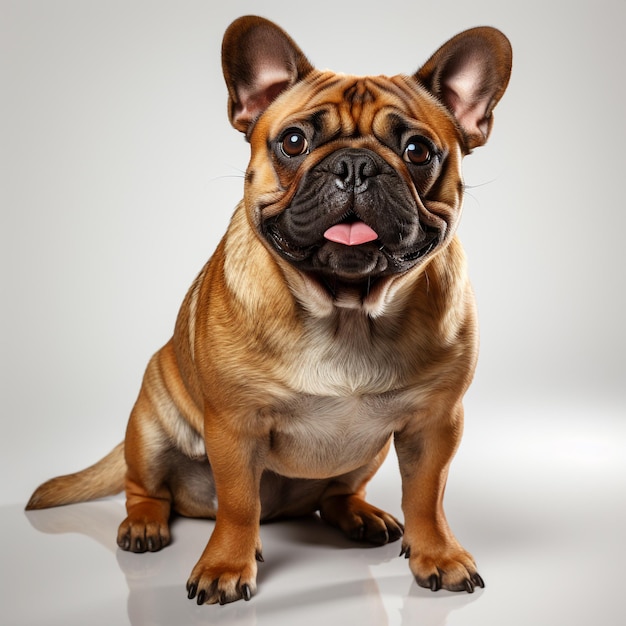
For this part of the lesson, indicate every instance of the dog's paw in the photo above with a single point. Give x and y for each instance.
(141, 534)
(222, 583)
(361, 521)
(448, 567)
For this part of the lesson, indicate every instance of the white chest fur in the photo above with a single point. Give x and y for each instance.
(323, 436)
(349, 395)
(347, 356)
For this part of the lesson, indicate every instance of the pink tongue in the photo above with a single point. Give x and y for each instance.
(351, 234)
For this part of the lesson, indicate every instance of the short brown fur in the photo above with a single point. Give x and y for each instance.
(283, 386)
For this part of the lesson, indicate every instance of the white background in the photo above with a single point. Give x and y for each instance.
(119, 173)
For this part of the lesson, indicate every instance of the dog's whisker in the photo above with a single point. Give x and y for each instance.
(224, 176)
(484, 184)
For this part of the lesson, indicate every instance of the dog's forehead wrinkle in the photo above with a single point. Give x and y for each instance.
(353, 107)
(317, 119)
(362, 90)
(366, 108)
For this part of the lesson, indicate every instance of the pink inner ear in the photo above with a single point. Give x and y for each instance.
(470, 115)
(253, 100)
(463, 91)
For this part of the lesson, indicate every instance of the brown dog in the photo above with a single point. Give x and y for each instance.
(335, 317)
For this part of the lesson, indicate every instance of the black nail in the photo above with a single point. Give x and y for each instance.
(469, 587)
(201, 597)
(434, 582)
(478, 581)
(138, 545)
(259, 557)
(246, 592)
(192, 589)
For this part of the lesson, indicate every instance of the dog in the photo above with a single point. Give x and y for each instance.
(335, 318)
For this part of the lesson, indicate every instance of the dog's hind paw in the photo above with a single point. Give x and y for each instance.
(361, 521)
(143, 531)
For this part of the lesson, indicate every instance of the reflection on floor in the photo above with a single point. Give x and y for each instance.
(543, 515)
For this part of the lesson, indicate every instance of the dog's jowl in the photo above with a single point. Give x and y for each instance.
(334, 319)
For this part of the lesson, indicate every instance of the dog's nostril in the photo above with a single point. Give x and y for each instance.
(344, 174)
(353, 170)
(366, 168)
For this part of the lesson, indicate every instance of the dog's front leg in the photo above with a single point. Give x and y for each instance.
(227, 568)
(425, 449)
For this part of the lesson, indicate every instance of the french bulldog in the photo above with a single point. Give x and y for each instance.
(334, 319)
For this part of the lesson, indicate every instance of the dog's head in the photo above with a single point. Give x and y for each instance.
(355, 182)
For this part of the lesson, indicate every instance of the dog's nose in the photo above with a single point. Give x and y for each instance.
(353, 169)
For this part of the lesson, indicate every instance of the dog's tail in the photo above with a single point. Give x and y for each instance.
(104, 478)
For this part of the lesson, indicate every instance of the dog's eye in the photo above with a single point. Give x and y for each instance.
(417, 151)
(294, 143)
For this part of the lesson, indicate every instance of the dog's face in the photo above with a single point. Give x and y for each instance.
(354, 182)
(354, 166)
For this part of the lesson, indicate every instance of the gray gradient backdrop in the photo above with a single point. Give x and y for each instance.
(120, 171)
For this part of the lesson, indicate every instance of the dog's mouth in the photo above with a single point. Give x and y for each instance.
(351, 253)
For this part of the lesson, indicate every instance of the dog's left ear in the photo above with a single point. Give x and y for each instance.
(469, 74)
(259, 61)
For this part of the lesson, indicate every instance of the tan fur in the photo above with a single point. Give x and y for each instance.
(277, 396)
(104, 478)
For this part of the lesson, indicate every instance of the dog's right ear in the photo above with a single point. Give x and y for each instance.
(469, 74)
(259, 61)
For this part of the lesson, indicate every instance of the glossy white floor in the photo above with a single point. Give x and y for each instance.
(119, 173)
(537, 496)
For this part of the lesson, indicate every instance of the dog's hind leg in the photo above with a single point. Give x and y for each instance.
(148, 498)
(149, 446)
(343, 505)
(163, 441)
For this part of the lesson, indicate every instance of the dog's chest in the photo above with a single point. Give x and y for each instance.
(323, 436)
(348, 396)
(347, 357)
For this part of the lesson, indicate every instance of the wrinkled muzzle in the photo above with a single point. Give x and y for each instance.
(352, 219)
